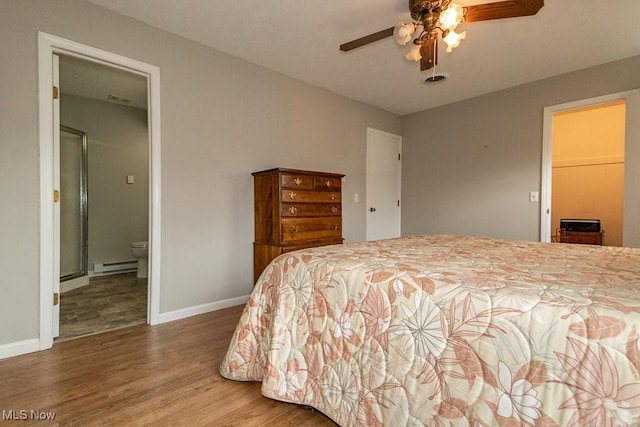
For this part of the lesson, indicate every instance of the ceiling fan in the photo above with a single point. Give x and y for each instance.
(434, 17)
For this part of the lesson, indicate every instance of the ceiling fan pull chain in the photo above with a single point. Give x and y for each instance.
(435, 63)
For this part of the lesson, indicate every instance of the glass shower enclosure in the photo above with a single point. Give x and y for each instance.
(73, 204)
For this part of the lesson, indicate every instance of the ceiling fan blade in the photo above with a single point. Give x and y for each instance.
(502, 9)
(383, 34)
(429, 52)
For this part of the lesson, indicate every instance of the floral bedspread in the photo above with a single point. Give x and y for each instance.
(448, 331)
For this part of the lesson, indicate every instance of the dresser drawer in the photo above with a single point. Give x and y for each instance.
(310, 196)
(327, 183)
(310, 209)
(581, 238)
(295, 229)
(297, 247)
(303, 182)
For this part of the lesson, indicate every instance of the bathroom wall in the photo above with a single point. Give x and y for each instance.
(118, 146)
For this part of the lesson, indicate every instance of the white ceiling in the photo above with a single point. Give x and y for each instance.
(301, 38)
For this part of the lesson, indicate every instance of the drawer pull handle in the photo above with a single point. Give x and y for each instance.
(293, 210)
(293, 229)
(334, 209)
(328, 183)
(334, 227)
(292, 195)
(333, 197)
(298, 181)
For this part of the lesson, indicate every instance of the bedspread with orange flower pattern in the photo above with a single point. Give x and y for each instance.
(448, 331)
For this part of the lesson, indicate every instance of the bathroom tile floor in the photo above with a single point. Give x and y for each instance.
(107, 302)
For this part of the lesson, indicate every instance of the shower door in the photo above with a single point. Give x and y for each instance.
(73, 203)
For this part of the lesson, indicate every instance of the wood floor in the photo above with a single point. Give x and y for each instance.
(141, 375)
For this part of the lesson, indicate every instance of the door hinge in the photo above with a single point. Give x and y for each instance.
(56, 196)
(398, 203)
(56, 298)
(56, 93)
(398, 156)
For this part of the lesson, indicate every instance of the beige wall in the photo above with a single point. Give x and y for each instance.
(588, 167)
(222, 118)
(468, 167)
(118, 146)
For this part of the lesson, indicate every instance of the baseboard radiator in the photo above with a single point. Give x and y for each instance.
(114, 267)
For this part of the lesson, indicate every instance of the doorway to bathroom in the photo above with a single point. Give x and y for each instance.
(49, 47)
(104, 170)
(106, 163)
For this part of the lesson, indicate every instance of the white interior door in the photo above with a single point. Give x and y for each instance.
(56, 199)
(383, 184)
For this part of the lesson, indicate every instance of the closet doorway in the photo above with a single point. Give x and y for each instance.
(626, 159)
(588, 168)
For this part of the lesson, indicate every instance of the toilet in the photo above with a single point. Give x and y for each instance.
(140, 250)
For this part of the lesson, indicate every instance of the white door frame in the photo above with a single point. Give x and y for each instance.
(547, 152)
(47, 46)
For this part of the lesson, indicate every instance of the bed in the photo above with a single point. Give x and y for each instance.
(445, 330)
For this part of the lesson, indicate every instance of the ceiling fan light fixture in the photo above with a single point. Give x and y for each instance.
(453, 39)
(433, 19)
(414, 52)
(402, 33)
(451, 17)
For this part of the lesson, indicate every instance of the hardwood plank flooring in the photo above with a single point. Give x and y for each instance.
(141, 375)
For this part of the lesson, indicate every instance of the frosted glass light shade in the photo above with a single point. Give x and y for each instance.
(414, 53)
(452, 17)
(453, 39)
(402, 33)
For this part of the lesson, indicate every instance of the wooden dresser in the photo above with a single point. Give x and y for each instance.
(294, 209)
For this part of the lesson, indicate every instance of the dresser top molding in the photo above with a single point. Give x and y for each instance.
(296, 171)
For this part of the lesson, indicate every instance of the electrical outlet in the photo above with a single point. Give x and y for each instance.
(356, 198)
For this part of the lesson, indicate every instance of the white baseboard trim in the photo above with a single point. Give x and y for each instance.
(201, 309)
(19, 347)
